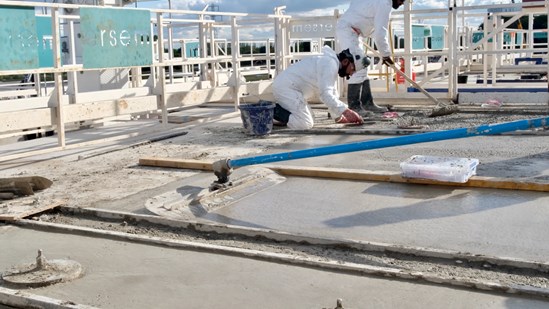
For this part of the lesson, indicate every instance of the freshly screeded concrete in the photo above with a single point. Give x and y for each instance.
(120, 274)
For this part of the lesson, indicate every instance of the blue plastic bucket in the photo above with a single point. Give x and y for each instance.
(257, 118)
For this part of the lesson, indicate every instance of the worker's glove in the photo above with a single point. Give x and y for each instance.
(388, 61)
(350, 116)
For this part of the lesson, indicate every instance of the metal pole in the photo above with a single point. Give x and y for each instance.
(487, 129)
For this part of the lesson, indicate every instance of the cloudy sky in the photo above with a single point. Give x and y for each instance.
(293, 7)
(301, 7)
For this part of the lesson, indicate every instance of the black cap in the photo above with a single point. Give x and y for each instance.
(346, 54)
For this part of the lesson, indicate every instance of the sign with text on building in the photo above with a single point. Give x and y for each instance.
(115, 37)
(19, 47)
(308, 28)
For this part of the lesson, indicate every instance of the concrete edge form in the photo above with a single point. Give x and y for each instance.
(281, 258)
(22, 299)
(274, 235)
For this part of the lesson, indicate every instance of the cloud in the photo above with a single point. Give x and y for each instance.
(429, 4)
(253, 7)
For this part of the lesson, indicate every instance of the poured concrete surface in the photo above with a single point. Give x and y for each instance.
(503, 223)
(128, 275)
(481, 221)
(123, 275)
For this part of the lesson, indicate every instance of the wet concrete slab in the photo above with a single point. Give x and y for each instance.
(129, 275)
(503, 223)
(481, 221)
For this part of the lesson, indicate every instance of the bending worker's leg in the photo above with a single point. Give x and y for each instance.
(290, 101)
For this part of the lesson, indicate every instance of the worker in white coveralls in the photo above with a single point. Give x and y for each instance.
(365, 18)
(313, 76)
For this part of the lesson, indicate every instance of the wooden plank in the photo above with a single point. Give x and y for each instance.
(19, 209)
(362, 175)
(176, 163)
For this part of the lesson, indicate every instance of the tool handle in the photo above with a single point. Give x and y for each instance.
(416, 85)
(411, 81)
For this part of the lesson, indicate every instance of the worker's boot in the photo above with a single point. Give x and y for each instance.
(368, 101)
(281, 115)
(353, 100)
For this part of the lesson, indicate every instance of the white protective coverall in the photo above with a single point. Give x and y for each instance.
(366, 17)
(312, 76)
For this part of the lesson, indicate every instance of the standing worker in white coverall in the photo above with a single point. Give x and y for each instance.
(365, 18)
(313, 76)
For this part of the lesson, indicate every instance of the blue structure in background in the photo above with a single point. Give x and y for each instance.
(192, 50)
(45, 41)
(19, 47)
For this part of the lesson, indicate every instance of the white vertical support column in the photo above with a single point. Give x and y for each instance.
(499, 39)
(469, 39)
(492, 48)
(407, 41)
(170, 50)
(213, 55)
(202, 48)
(184, 58)
(162, 69)
(530, 33)
(235, 52)
(453, 79)
(463, 16)
(485, 57)
(58, 77)
(452, 47)
(152, 77)
(282, 39)
(287, 40)
(268, 54)
(279, 47)
(73, 85)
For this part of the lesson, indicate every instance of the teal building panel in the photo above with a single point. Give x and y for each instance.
(438, 34)
(115, 37)
(418, 37)
(19, 47)
(45, 41)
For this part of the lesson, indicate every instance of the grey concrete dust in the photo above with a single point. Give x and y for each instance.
(420, 120)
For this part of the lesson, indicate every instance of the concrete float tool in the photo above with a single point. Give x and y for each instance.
(441, 108)
(223, 168)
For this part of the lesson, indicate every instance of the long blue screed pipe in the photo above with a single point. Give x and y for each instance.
(222, 168)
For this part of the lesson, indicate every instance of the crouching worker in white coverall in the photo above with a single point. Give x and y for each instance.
(365, 18)
(313, 76)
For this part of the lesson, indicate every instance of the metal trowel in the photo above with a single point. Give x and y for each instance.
(189, 202)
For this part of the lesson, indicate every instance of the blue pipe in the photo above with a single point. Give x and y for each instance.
(487, 129)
